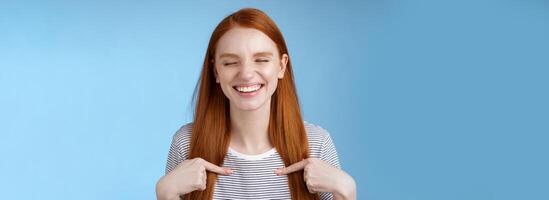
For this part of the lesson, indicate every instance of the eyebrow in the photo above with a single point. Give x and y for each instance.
(228, 55)
(263, 53)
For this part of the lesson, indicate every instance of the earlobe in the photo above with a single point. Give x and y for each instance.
(283, 64)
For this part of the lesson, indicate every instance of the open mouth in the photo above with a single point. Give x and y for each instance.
(249, 88)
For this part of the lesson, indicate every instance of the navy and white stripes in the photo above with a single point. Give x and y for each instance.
(253, 176)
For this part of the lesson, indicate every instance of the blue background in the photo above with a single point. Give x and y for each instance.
(424, 99)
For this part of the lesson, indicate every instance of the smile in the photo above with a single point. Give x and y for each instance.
(249, 90)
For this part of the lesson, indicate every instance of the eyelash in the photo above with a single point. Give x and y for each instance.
(227, 64)
(259, 60)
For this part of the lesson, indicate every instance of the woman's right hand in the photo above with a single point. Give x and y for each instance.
(188, 176)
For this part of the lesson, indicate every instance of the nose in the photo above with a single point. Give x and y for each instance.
(247, 71)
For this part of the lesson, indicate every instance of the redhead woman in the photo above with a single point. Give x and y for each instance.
(248, 139)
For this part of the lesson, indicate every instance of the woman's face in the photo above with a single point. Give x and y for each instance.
(247, 67)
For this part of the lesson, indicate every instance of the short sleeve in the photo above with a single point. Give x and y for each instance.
(179, 147)
(328, 154)
(174, 156)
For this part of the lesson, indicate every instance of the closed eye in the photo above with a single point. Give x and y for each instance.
(230, 63)
(261, 60)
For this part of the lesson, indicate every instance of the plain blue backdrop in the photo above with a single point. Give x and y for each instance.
(425, 100)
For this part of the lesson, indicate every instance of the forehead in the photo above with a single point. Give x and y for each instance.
(244, 41)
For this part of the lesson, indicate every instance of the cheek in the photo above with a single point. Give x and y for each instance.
(224, 76)
(271, 72)
(225, 80)
(272, 80)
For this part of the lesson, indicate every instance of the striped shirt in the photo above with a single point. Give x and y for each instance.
(253, 176)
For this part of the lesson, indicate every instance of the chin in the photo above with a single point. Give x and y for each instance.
(249, 106)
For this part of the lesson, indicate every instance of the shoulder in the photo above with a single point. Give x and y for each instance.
(182, 139)
(317, 137)
(184, 132)
(315, 131)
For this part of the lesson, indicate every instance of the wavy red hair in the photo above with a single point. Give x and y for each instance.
(211, 126)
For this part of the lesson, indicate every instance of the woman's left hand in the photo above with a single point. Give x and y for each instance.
(323, 177)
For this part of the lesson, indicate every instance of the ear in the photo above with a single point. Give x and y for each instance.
(283, 63)
(215, 71)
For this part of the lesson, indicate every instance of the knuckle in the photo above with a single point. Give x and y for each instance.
(197, 186)
(311, 184)
(203, 186)
(311, 189)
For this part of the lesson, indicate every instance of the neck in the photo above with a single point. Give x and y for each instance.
(249, 129)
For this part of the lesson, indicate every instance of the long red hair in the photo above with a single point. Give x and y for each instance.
(211, 126)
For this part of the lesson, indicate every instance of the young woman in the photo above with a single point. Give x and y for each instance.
(248, 140)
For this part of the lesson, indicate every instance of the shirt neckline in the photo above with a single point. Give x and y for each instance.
(252, 157)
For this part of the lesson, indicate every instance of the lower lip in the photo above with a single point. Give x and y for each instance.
(249, 94)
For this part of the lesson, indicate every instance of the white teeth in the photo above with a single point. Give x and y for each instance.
(248, 88)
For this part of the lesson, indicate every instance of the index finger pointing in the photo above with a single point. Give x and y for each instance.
(293, 168)
(216, 169)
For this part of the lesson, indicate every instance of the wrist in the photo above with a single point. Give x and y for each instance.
(345, 194)
(346, 189)
(165, 191)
